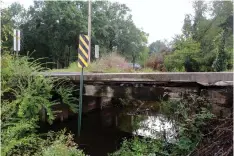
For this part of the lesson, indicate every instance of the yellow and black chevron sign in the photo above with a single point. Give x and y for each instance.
(83, 51)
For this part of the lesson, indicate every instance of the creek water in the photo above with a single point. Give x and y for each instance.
(103, 130)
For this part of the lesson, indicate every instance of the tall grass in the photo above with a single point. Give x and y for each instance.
(110, 63)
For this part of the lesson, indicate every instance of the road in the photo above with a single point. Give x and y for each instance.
(218, 78)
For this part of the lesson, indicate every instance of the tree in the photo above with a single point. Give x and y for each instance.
(157, 47)
(113, 27)
(225, 47)
(185, 57)
(12, 17)
(213, 34)
(50, 27)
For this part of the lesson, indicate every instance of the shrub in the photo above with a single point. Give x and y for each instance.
(111, 62)
(60, 149)
(139, 147)
(156, 62)
(25, 93)
(186, 57)
(59, 144)
(115, 63)
(191, 115)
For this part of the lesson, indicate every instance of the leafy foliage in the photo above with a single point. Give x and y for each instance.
(50, 31)
(25, 93)
(109, 63)
(191, 115)
(206, 43)
(185, 50)
(143, 56)
(138, 147)
(156, 62)
(18, 138)
(11, 18)
(59, 144)
(158, 47)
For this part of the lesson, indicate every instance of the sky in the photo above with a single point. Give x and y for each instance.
(161, 19)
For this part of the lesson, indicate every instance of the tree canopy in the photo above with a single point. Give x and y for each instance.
(206, 44)
(50, 29)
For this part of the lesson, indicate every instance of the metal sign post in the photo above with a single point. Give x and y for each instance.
(80, 101)
(83, 58)
(16, 41)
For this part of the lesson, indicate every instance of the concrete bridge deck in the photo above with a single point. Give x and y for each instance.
(100, 89)
(203, 78)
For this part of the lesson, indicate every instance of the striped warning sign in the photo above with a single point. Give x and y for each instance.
(83, 50)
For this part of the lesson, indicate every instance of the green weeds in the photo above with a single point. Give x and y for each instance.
(190, 113)
(25, 93)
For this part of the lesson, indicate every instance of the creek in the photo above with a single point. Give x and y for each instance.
(103, 130)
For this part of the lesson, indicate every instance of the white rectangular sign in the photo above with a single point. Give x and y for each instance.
(96, 51)
(16, 40)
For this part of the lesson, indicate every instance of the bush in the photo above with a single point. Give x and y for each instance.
(174, 63)
(59, 144)
(156, 62)
(139, 147)
(25, 93)
(186, 57)
(191, 115)
(60, 149)
(110, 63)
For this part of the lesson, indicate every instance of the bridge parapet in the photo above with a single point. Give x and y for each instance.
(217, 87)
(203, 78)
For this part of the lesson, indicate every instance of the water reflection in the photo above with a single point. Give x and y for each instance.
(103, 130)
(142, 119)
(148, 124)
(157, 127)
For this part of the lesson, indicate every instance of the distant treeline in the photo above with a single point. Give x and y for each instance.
(50, 30)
